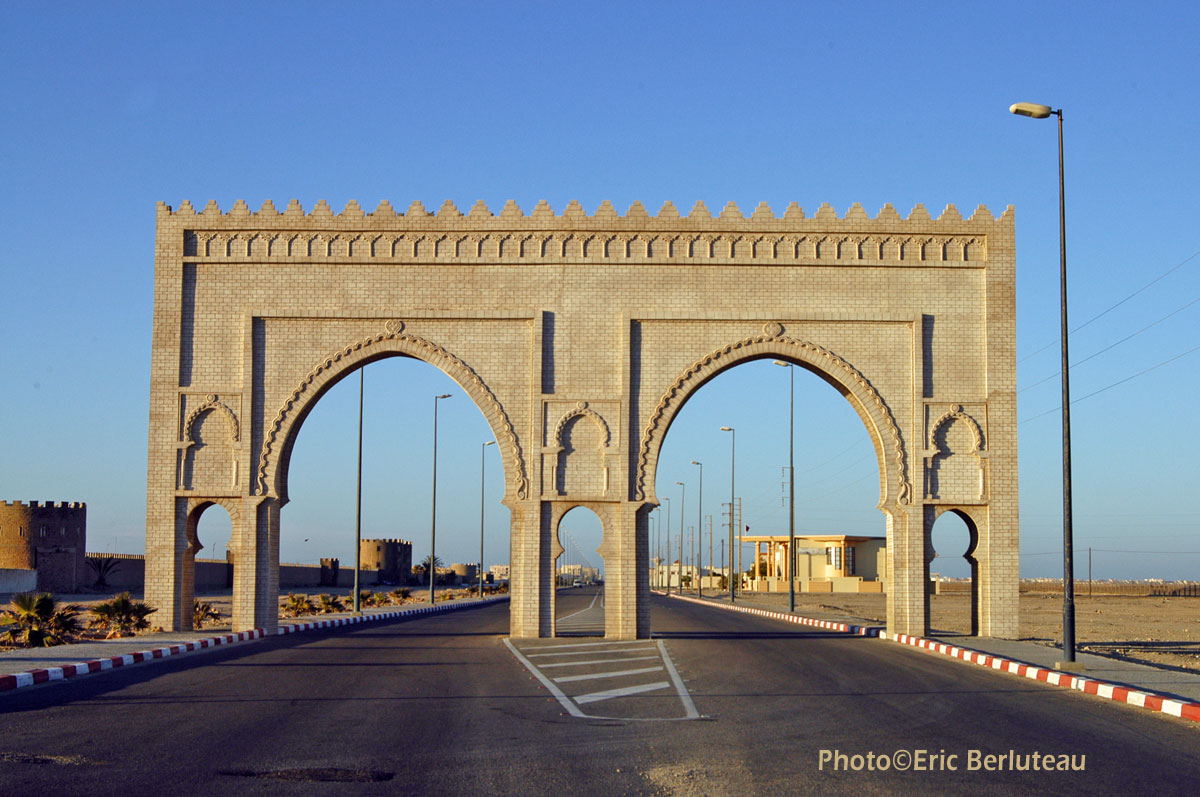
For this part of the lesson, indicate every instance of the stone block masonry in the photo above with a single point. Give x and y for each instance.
(48, 537)
(579, 337)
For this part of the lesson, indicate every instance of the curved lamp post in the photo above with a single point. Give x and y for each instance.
(482, 465)
(682, 512)
(699, 531)
(732, 519)
(357, 602)
(1035, 111)
(668, 536)
(433, 516)
(791, 566)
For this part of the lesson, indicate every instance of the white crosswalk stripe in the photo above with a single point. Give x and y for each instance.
(636, 693)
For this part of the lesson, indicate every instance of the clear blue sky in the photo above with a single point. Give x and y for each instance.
(108, 108)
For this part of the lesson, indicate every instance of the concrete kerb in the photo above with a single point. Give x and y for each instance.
(14, 681)
(831, 625)
(1151, 701)
(1120, 693)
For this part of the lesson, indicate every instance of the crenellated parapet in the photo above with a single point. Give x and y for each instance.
(47, 504)
(573, 235)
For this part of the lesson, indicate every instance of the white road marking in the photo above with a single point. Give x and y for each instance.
(686, 698)
(579, 645)
(592, 676)
(595, 661)
(595, 598)
(590, 652)
(571, 708)
(611, 656)
(622, 692)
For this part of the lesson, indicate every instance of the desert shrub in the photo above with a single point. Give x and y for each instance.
(298, 605)
(328, 604)
(121, 616)
(203, 612)
(37, 620)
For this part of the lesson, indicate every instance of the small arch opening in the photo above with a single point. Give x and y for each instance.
(579, 575)
(954, 575)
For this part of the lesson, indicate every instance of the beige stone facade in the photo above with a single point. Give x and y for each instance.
(580, 337)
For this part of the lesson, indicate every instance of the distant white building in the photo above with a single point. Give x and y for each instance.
(499, 572)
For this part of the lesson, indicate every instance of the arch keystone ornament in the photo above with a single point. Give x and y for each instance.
(258, 315)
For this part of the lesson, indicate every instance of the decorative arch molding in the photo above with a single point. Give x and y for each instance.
(773, 342)
(955, 413)
(604, 510)
(393, 340)
(581, 409)
(974, 517)
(556, 448)
(212, 402)
(196, 507)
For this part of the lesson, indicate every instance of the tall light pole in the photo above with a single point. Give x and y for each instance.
(699, 522)
(791, 565)
(1035, 111)
(732, 519)
(482, 465)
(433, 517)
(682, 512)
(668, 536)
(658, 546)
(356, 603)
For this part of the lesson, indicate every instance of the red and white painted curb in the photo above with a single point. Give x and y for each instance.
(1151, 701)
(294, 628)
(41, 676)
(831, 625)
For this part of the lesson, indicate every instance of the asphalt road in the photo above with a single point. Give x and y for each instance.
(442, 705)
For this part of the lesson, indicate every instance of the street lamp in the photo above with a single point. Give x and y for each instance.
(732, 462)
(1035, 111)
(791, 566)
(657, 545)
(668, 536)
(682, 512)
(358, 499)
(482, 463)
(699, 521)
(433, 516)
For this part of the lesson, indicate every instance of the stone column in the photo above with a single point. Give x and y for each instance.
(256, 566)
(527, 571)
(166, 548)
(626, 579)
(907, 573)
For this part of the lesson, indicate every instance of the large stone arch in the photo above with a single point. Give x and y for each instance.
(604, 324)
(895, 486)
(281, 434)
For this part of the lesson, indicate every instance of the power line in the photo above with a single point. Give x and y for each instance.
(1113, 345)
(1105, 312)
(1115, 384)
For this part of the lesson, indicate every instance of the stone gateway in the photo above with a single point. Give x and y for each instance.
(580, 337)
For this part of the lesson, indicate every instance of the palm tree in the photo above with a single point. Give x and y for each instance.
(203, 612)
(121, 616)
(103, 566)
(437, 562)
(39, 621)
